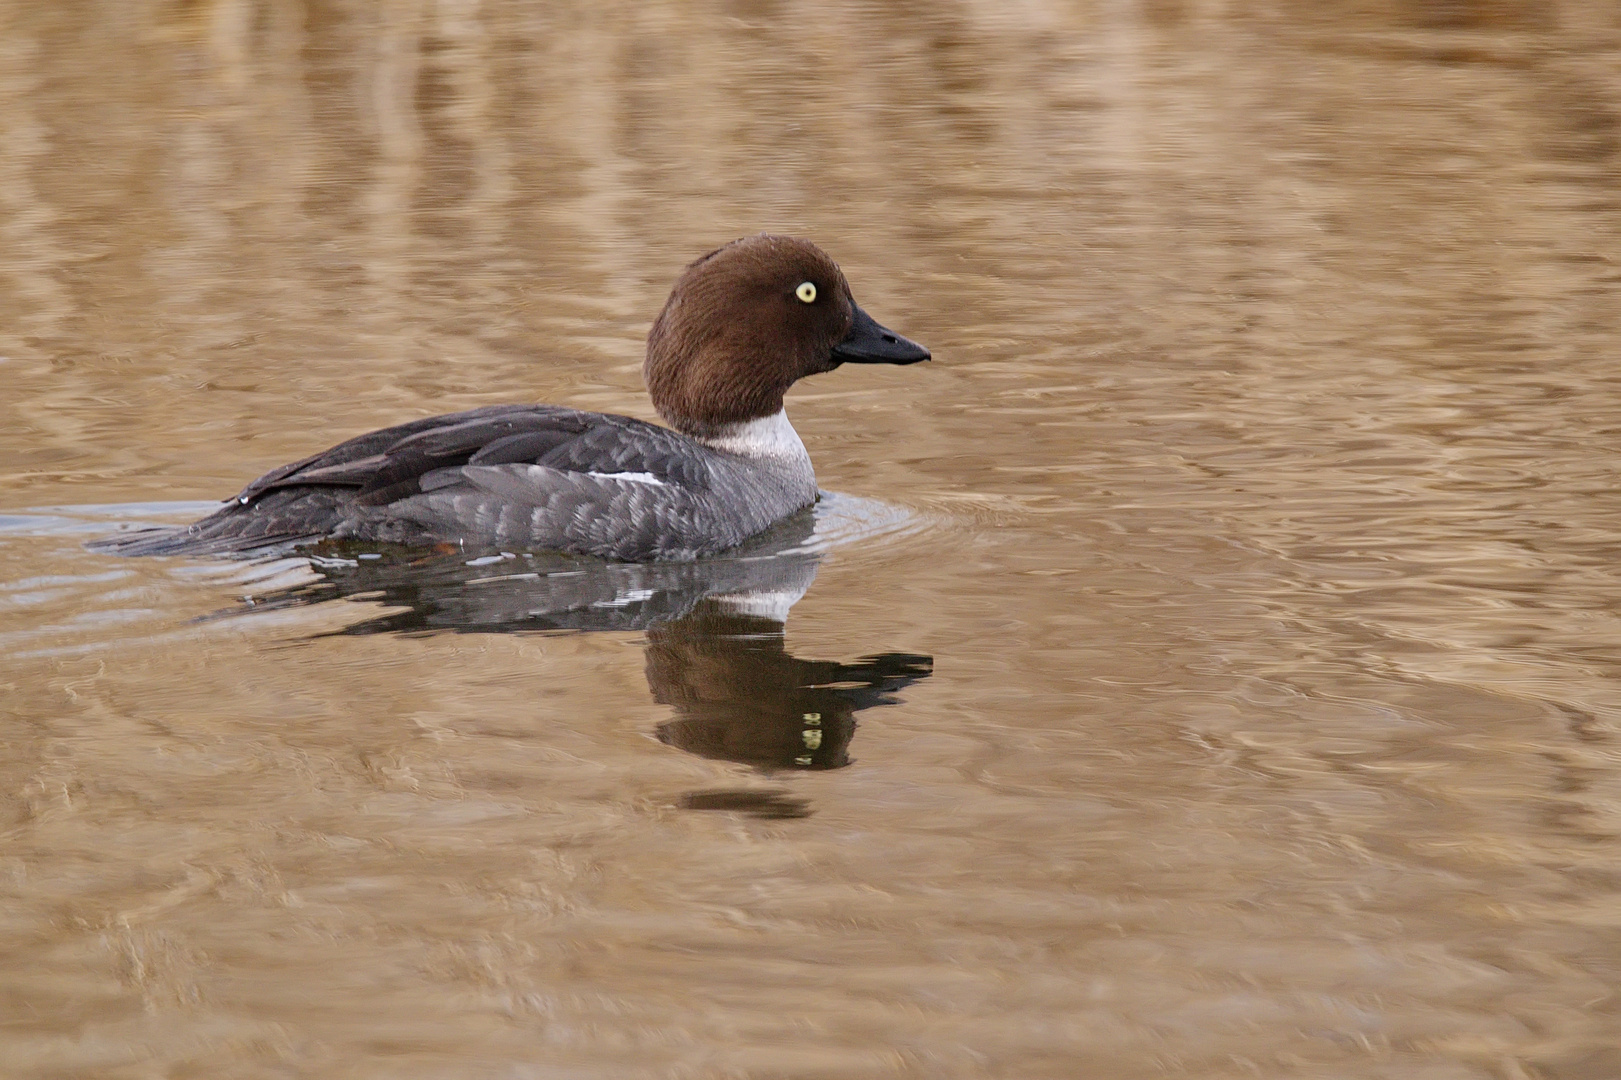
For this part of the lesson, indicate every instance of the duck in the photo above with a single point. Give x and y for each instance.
(742, 324)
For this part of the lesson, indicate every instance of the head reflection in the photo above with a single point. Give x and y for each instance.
(715, 632)
(739, 696)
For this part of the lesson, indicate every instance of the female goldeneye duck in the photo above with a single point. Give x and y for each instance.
(741, 326)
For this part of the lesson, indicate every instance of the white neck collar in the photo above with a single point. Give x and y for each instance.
(770, 437)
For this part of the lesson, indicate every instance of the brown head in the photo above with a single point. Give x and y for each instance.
(747, 321)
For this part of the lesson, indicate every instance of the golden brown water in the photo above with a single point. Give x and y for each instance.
(1258, 513)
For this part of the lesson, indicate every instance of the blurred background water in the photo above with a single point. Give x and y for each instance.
(1238, 584)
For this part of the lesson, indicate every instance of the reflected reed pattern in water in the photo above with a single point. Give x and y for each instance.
(1262, 529)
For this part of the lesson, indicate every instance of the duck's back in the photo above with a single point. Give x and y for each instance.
(522, 476)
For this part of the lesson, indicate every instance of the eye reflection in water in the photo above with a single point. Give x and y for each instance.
(715, 629)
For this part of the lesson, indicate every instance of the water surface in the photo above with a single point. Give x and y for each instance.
(1219, 679)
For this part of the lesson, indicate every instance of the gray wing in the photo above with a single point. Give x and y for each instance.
(376, 486)
(352, 462)
(634, 516)
(388, 465)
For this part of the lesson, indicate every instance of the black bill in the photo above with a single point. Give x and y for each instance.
(869, 343)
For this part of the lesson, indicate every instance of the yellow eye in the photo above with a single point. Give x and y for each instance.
(806, 291)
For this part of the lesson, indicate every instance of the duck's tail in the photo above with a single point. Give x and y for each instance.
(277, 519)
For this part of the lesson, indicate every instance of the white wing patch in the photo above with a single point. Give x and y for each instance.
(633, 477)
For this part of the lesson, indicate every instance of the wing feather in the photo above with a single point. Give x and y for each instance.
(524, 475)
(388, 465)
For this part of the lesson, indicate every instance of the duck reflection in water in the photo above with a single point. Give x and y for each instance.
(715, 629)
